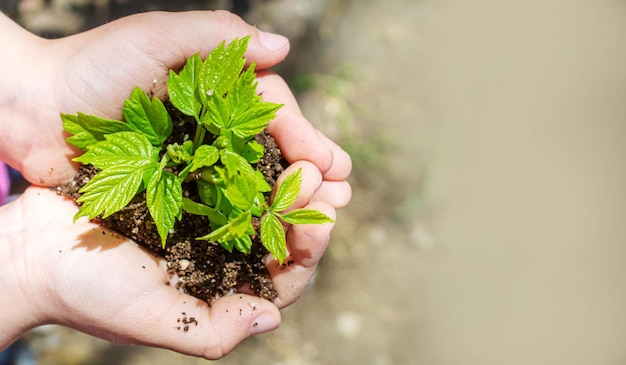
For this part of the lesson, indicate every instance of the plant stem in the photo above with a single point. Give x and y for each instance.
(198, 139)
(162, 164)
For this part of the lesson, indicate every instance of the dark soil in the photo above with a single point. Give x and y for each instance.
(204, 269)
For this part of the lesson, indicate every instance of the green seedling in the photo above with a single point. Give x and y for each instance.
(132, 156)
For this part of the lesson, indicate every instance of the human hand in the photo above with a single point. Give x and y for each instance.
(86, 277)
(93, 72)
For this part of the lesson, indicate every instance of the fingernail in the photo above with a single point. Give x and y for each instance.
(264, 323)
(273, 41)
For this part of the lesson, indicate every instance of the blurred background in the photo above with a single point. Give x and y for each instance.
(488, 218)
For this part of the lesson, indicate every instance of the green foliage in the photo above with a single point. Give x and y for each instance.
(132, 157)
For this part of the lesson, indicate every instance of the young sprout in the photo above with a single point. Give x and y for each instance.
(132, 156)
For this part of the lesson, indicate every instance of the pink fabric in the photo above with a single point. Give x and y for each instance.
(4, 183)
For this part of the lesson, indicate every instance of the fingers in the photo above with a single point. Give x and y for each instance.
(297, 138)
(306, 244)
(335, 193)
(342, 163)
(311, 181)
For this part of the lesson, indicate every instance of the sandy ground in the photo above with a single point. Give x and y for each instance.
(487, 225)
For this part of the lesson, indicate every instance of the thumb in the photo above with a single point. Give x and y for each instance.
(177, 36)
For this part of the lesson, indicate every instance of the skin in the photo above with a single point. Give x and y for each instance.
(82, 276)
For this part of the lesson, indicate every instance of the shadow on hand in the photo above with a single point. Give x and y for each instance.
(101, 239)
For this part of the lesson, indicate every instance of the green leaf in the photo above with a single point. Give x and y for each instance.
(222, 67)
(122, 148)
(217, 112)
(254, 119)
(260, 182)
(148, 117)
(287, 192)
(241, 181)
(164, 198)
(247, 186)
(237, 227)
(182, 87)
(252, 151)
(89, 129)
(205, 156)
(207, 192)
(273, 237)
(259, 206)
(243, 244)
(243, 93)
(221, 201)
(178, 153)
(214, 215)
(125, 159)
(250, 115)
(305, 216)
(236, 197)
(228, 245)
(110, 190)
(236, 165)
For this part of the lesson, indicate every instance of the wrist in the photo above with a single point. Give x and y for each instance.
(25, 78)
(18, 48)
(18, 309)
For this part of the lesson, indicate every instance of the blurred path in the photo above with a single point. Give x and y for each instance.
(514, 113)
(529, 182)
